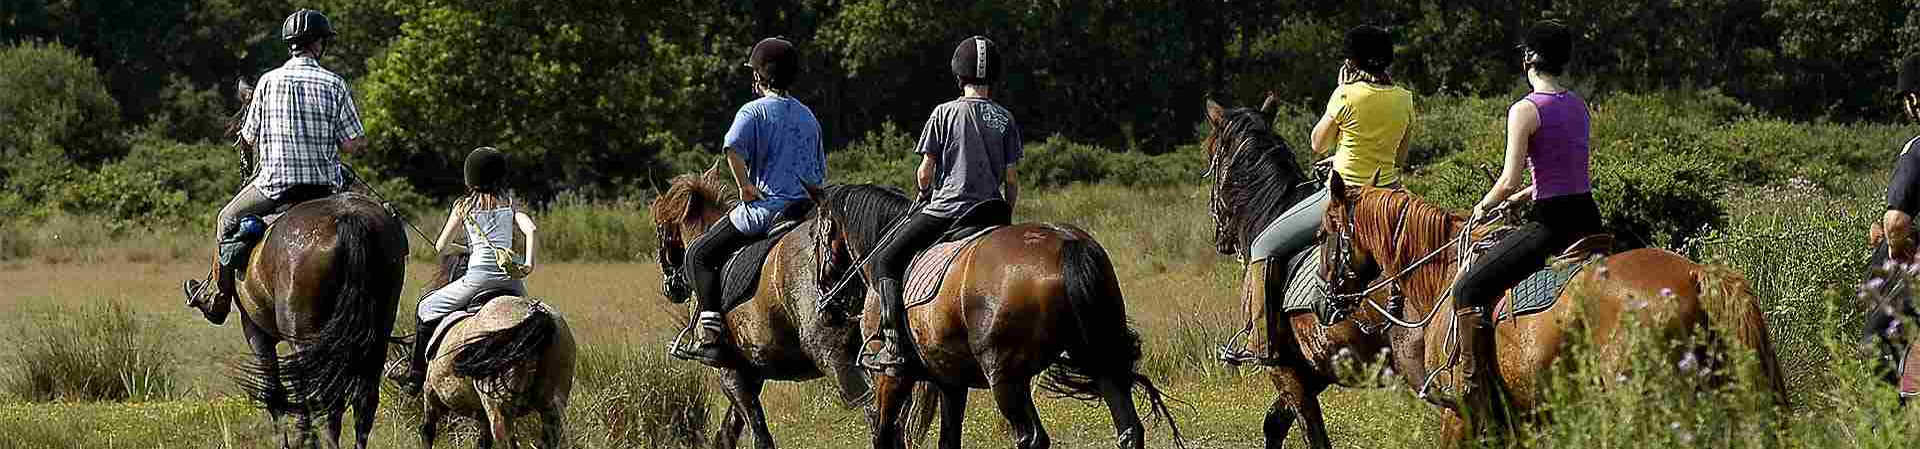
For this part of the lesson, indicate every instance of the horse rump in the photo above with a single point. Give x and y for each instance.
(344, 358)
(492, 354)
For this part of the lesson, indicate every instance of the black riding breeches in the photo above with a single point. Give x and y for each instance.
(707, 256)
(890, 259)
(1558, 223)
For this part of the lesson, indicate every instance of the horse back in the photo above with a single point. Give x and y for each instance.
(1007, 289)
(551, 383)
(779, 330)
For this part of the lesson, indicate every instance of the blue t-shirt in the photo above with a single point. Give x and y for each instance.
(779, 140)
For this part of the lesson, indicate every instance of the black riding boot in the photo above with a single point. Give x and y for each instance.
(213, 299)
(1259, 346)
(1482, 393)
(417, 366)
(890, 357)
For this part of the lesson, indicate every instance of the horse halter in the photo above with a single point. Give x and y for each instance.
(672, 258)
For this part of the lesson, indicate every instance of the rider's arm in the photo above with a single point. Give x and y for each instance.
(1406, 142)
(527, 228)
(353, 145)
(446, 232)
(923, 178)
(1011, 189)
(1522, 119)
(740, 176)
(1324, 132)
(1902, 201)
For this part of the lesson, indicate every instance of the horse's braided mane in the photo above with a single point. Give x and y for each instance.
(1254, 175)
(865, 212)
(681, 192)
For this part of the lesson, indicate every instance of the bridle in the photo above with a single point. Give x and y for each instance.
(1338, 274)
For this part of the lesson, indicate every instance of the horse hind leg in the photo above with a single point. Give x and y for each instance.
(744, 390)
(953, 413)
(1015, 399)
(1295, 400)
(731, 424)
(553, 427)
(1118, 393)
(499, 423)
(365, 411)
(429, 420)
(334, 421)
(263, 345)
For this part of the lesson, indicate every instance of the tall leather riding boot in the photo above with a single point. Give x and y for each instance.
(1482, 396)
(1263, 315)
(890, 356)
(710, 331)
(417, 366)
(213, 297)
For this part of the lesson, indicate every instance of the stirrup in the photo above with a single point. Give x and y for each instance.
(1239, 356)
(888, 358)
(708, 351)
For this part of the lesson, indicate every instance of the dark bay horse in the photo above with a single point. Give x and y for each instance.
(779, 333)
(513, 357)
(325, 279)
(1255, 179)
(1019, 301)
(1393, 231)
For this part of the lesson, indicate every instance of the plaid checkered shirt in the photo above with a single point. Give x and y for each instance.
(300, 115)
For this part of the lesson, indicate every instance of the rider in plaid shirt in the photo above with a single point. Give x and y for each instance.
(301, 117)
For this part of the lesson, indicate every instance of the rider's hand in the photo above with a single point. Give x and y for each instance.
(1345, 76)
(749, 193)
(1486, 206)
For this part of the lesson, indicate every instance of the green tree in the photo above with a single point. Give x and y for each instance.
(56, 119)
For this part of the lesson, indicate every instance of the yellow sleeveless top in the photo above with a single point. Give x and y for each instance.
(1372, 119)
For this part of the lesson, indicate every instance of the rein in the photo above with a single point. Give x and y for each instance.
(1461, 243)
(388, 205)
(832, 296)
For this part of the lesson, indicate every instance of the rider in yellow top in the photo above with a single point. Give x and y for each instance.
(1367, 125)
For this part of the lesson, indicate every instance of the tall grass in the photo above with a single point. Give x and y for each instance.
(639, 398)
(93, 353)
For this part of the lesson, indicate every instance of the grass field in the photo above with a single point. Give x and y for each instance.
(1179, 291)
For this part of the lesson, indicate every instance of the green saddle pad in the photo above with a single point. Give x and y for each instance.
(1541, 290)
(1304, 288)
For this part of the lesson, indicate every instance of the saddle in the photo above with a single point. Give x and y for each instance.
(740, 277)
(1541, 290)
(929, 267)
(248, 230)
(1305, 289)
(473, 307)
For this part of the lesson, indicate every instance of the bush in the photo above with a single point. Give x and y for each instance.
(51, 99)
(575, 229)
(100, 353)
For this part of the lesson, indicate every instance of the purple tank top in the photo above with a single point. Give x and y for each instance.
(1557, 152)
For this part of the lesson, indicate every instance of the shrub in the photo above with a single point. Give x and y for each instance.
(99, 353)
(51, 98)
(572, 228)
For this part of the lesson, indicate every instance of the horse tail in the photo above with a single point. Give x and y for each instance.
(1729, 302)
(491, 354)
(344, 358)
(1108, 346)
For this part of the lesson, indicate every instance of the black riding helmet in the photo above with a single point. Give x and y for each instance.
(1550, 45)
(776, 61)
(486, 169)
(305, 26)
(1909, 75)
(1370, 48)
(977, 61)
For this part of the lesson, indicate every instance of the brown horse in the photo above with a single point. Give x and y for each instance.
(779, 333)
(325, 279)
(1392, 231)
(1019, 301)
(1255, 179)
(513, 357)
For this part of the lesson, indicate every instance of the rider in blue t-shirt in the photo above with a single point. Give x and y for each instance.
(774, 150)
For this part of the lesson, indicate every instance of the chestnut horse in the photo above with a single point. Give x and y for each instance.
(1255, 179)
(1019, 301)
(779, 334)
(1392, 231)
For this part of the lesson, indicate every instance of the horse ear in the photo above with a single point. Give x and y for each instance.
(695, 205)
(713, 173)
(1215, 112)
(1266, 106)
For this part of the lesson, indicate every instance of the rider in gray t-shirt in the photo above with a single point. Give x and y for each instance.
(967, 150)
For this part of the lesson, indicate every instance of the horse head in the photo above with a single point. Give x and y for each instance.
(1253, 170)
(1346, 264)
(691, 204)
(849, 222)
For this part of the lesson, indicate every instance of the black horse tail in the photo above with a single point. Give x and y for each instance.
(343, 360)
(491, 354)
(1108, 346)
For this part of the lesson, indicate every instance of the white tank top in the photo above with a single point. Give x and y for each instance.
(494, 226)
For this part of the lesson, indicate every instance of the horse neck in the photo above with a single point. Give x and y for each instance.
(1257, 187)
(1425, 230)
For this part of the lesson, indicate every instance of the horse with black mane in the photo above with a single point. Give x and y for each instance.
(1255, 179)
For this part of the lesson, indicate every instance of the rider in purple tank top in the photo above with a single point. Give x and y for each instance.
(1557, 151)
(1548, 130)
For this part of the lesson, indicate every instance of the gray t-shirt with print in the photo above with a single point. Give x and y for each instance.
(973, 142)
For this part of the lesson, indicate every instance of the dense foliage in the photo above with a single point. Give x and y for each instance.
(596, 95)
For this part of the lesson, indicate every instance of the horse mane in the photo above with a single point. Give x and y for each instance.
(1378, 221)
(1254, 175)
(682, 190)
(865, 212)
